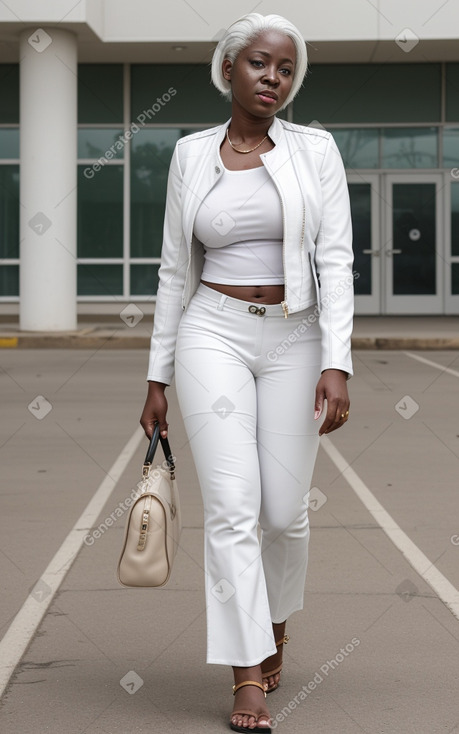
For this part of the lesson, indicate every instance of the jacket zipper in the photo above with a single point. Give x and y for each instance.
(284, 303)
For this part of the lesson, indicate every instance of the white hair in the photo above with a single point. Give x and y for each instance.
(241, 33)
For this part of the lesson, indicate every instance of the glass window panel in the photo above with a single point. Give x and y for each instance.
(452, 93)
(171, 93)
(9, 211)
(9, 142)
(100, 212)
(409, 148)
(359, 147)
(370, 93)
(9, 280)
(144, 280)
(414, 213)
(100, 280)
(455, 219)
(451, 147)
(96, 143)
(455, 279)
(9, 93)
(360, 196)
(151, 153)
(100, 93)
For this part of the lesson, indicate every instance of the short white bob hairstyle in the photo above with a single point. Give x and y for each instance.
(241, 33)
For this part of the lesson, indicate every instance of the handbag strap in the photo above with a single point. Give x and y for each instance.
(155, 439)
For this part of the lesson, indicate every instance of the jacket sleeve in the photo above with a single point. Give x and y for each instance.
(172, 272)
(333, 261)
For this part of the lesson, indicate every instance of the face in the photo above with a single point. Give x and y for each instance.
(262, 75)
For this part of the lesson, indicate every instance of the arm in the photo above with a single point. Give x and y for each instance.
(155, 409)
(172, 272)
(168, 311)
(332, 387)
(334, 258)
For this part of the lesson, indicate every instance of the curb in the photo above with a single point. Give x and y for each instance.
(398, 343)
(74, 341)
(115, 340)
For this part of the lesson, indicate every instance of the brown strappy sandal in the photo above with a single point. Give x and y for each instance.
(274, 671)
(247, 712)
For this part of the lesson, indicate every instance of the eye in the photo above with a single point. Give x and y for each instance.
(256, 62)
(286, 72)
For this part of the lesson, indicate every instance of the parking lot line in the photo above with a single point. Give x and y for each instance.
(444, 589)
(27, 620)
(437, 365)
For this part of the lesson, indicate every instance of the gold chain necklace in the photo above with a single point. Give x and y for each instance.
(244, 151)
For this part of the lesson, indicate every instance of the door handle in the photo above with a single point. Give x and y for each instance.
(393, 252)
(375, 253)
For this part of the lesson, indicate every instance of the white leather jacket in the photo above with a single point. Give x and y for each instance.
(307, 170)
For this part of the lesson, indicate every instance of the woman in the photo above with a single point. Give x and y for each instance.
(255, 307)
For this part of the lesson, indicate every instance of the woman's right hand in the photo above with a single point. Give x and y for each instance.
(155, 409)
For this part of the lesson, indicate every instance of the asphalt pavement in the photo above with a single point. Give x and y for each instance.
(376, 647)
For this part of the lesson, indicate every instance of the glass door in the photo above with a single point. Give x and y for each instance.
(365, 208)
(412, 253)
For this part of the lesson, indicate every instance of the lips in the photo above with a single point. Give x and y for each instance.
(267, 95)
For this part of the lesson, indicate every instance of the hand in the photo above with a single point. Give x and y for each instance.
(155, 409)
(332, 387)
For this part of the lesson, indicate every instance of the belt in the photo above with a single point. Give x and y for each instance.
(224, 301)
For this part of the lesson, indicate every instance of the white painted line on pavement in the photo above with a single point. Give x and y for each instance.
(433, 364)
(444, 589)
(27, 620)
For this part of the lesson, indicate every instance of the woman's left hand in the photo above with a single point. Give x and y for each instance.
(332, 387)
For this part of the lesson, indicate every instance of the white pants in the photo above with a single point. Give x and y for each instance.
(246, 389)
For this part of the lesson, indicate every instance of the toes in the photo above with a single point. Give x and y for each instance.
(247, 722)
(264, 721)
(271, 682)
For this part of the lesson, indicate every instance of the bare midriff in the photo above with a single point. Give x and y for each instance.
(267, 294)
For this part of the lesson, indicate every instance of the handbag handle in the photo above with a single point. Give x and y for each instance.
(156, 437)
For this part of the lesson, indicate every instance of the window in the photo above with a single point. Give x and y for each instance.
(359, 147)
(452, 97)
(359, 93)
(409, 148)
(9, 229)
(151, 153)
(173, 93)
(451, 147)
(455, 219)
(100, 93)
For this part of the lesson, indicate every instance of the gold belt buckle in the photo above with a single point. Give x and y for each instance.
(259, 311)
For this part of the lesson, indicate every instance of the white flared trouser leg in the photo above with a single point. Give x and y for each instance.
(246, 388)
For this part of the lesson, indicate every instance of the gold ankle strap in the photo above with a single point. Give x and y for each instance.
(283, 641)
(248, 683)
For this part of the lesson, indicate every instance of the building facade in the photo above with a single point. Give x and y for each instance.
(93, 101)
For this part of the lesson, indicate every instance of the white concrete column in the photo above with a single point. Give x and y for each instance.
(48, 179)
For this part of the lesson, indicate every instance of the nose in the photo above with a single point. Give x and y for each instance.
(271, 75)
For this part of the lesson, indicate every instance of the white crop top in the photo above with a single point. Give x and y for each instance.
(240, 225)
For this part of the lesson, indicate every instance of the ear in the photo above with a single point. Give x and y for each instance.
(226, 69)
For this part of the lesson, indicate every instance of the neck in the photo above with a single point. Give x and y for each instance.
(247, 127)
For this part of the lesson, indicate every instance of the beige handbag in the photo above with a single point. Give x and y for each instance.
(153, 526)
